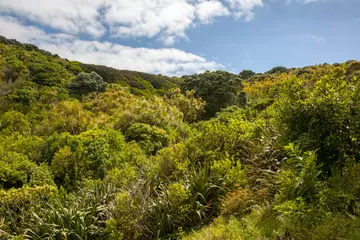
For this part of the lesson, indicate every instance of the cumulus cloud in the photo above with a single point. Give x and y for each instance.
(149, 18)
(244, 8)
(168, 61)
(166, 20)
(71, 16)
(208, 10)
(12, 28)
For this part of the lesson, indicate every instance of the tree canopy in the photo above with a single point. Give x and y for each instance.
(219, 89)
(85, 83)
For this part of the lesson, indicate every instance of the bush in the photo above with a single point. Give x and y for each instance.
(14, 121)
(66, 116)
(150, 138)
(88, 155)
(15, 171)
(277, 70)
(321, 118)
(191, 107)
(131, 214)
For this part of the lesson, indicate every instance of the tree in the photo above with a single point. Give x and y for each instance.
(246, 74)
(277, 70)
(219, 89)
(85, 83)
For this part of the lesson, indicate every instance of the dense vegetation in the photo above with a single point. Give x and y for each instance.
(90, 152)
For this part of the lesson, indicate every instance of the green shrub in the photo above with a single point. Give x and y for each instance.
(150, 138)
(14, 121)
(87, 155)
(15, 171)
(131, 214)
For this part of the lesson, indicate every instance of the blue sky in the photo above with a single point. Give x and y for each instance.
(189, 36)
(283, 34)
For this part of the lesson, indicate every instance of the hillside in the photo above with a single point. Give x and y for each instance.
(91, 152)
(139, 83)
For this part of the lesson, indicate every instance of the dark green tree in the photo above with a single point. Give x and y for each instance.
(246, 74)
(219, 89)
(277, 70)
(85, 83)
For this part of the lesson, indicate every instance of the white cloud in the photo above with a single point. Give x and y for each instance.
(166, 19)
(70, 16)
(12, 28)
(168, 40)
(168, 61)
(244, 8)
(207, 10)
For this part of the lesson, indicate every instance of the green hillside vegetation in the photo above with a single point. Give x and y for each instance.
(37, 62)
(91, 152)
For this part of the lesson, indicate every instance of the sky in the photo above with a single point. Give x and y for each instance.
(178, 37)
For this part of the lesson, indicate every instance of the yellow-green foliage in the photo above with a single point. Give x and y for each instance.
(131, 216)
(28, 196)
(14, 121)
(173, 161)
(29, 146)
(222, 229)
(17, 171)
(16, 206)
(127, 109)
(150, 138)
(191, 107)
(238, 202)
(67, 116)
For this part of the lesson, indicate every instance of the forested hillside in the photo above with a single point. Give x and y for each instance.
(91, 152)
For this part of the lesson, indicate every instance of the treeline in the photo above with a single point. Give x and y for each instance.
(87, 152)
